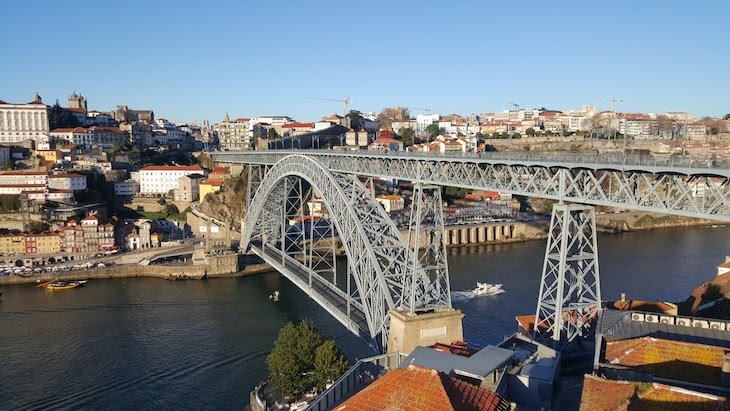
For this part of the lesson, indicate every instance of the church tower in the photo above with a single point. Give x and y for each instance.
(77, 101)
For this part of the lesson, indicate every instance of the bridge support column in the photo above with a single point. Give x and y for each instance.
(409, 330)
(426, 227)
(570, 290)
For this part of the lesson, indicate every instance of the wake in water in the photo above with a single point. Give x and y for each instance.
(461, 296)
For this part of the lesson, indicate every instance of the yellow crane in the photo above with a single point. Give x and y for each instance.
(345, 103)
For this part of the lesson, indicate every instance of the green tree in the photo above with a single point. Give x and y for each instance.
(433, 130)
(171, 209)
(9, 165)
(58, 117)
(9, 202)
(530, 132)
(292, 360)
(37, 226)
(479, 135)
(272, 134)
(516, 135)
(407, 136)
(357, 121)
(329, 364)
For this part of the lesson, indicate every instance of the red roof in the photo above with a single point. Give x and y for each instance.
(172, 168)
(221, 170)
(23, 173)
(70, 175)
(605, 395)
(75, 109)
(298, 125)
(418, 388)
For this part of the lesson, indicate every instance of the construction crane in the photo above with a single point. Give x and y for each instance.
(613, 102)
(419, 109)
(517, 106)
(345, 103)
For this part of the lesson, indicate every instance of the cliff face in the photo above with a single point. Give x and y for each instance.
(228, 204)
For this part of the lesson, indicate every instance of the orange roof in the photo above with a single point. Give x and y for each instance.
(221, 170)
(68, 175)
(23, 173)
(172, 168)
(697, 363)
(418, 388)
(90, 218)
(213, 182)
(602, 394)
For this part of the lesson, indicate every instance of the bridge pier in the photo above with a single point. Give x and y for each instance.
(570, 289)
(409, 330)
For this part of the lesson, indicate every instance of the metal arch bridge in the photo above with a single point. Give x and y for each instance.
(382, 272)
(673, 186)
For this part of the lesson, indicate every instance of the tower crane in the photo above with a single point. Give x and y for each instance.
(419, 109)
(517, 106)
(613, 102)
(345, 103)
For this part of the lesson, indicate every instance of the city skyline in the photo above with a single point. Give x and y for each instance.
(198, 63)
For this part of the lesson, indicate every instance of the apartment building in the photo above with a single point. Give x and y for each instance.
(233, 134)
(88, 235)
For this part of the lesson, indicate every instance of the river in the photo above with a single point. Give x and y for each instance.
(151, 343)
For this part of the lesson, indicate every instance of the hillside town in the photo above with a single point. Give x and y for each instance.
(77, 183)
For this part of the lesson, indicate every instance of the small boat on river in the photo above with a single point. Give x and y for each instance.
(61, 285)
(488, 289)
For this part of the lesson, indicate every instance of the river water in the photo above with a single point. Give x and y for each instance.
(151, 343)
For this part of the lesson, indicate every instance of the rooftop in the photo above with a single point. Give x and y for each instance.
(602, 394)
(172, 168)
(418, 388)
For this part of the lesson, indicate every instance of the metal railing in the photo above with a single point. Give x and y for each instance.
(618, 159)
(362, 373)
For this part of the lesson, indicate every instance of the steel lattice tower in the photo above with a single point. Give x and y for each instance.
(570, 290)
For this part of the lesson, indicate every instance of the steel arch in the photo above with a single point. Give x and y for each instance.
(378, 257)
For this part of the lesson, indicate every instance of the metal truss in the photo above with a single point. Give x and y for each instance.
(570, 290)
(379, 265)
(426, 241)
(682, 190)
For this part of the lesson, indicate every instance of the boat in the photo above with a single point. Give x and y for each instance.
(488, 289)
(274, 296)
(61, 285)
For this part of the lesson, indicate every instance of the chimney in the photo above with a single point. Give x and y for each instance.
(725, 378)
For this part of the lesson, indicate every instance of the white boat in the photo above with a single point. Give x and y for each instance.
(274, 296)
(488, 289)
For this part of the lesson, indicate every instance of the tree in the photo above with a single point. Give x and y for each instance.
(292, 360)
(171, 209)
(433, 130)
(9, 202)
(516, 136)
(9, 165)
(530, 132)
(272, 134)
(357, 121)
(479, 135)
(58, 117)
(37, 226)
(329, 364)
(407, 136)
(390, 114)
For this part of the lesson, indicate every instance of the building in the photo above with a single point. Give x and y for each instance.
(391, 202)
(210, 185)
(124, 114)
(162, 179)
(19, 243)
(414, 387)
(235, 134)
(88, 236)
(139, 133)
(72, 181)
(49, 156)
(188, 187)
(296, 129)
(19, 122)
(89, 137)
(696, 131)
(126, 188)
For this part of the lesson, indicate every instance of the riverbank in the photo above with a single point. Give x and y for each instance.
(166, 272)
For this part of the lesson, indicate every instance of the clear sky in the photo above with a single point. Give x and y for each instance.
(195, 60)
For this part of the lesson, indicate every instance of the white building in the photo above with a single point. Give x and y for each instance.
(20, 122)
(161, 179)
(73, 182)
(425, 120)
(391, 202)
(23, 177)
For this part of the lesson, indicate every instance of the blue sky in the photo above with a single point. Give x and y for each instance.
(195, 60)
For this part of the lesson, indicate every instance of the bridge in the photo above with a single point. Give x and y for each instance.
(306, 207)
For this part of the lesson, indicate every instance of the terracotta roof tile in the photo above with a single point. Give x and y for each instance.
(600, 394)
(697, 363)
(418, 388)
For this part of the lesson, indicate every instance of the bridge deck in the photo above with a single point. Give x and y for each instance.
(332, 301)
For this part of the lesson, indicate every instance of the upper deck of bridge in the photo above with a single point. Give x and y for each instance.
(642, 163)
